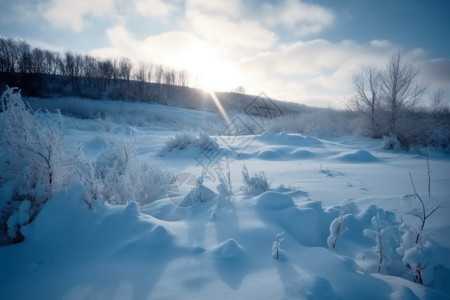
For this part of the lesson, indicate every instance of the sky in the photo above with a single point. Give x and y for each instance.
(294, 50)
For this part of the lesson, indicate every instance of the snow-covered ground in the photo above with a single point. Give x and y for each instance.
(171, 249)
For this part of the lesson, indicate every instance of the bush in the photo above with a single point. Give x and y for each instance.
(119, 177)
(255, 185)
(203, 142)
(440, 138)
(391, 143)
(34, 161)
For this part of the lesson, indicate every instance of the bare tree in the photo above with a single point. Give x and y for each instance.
(125, 69)
(8, 54)
(182, 78)
(400, 89)
(24, 57)
(367, 85)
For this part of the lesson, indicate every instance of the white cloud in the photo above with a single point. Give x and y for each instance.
(231, 8)
(303, 18)
(315, 70)
(154, 8)
(234, 38)
(72, 14)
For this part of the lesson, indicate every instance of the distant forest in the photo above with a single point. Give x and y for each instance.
(45, 73)
(42, 73)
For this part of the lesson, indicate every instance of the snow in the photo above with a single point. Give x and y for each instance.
(174, 248)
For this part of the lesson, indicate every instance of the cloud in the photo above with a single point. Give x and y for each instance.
(73, 14)
(303, 18)
(314, 70)
(231, 8)
(435, 74)
(176, 49)
(154, 8)
(233, 38)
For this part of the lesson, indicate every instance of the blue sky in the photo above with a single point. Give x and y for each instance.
(296, 50)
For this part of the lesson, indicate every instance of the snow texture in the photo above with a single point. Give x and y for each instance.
(139, 243)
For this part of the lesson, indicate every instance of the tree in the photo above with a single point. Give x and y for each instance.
(35, 160)
(367, 85)
(400, 90)
(125, 69)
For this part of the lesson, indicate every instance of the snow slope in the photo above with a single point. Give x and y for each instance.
(163, 250)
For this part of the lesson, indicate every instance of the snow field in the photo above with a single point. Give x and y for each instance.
(177, 249)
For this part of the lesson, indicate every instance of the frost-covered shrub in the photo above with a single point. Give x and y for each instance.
(118, 176)
(34, 159)
(418, 257)
(384, 232)
(337, 227)
(255, 185)
(440, 138)
(391, 142)
(415, 249)
(203, 142)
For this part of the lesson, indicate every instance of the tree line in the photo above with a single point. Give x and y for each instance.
(84, 75)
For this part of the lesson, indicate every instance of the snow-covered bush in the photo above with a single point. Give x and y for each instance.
(418, 257)
(391, 142)
(378, 234)
(118, 176)
(255, 185)
(203, 142)
(34, 158)
(337, 227)
(414, 248)
(440, 138)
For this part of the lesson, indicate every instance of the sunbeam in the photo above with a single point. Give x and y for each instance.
(220, 107)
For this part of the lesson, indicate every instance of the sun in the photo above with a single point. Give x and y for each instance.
(207, 70)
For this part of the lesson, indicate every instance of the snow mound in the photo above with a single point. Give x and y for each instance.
(308, 223)
(318, 288)
(283, 153)
(269, 154)
(274, 201)
(359, 156)
(301, 154)
(229, 249)
(289, 139)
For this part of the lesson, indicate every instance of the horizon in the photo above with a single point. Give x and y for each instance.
(295, 51)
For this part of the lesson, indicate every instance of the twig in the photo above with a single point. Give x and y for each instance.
(423, 218)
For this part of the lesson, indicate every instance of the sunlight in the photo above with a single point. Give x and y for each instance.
(222, 110)
(207, 70)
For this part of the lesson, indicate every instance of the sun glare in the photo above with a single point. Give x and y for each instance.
(207, 70)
